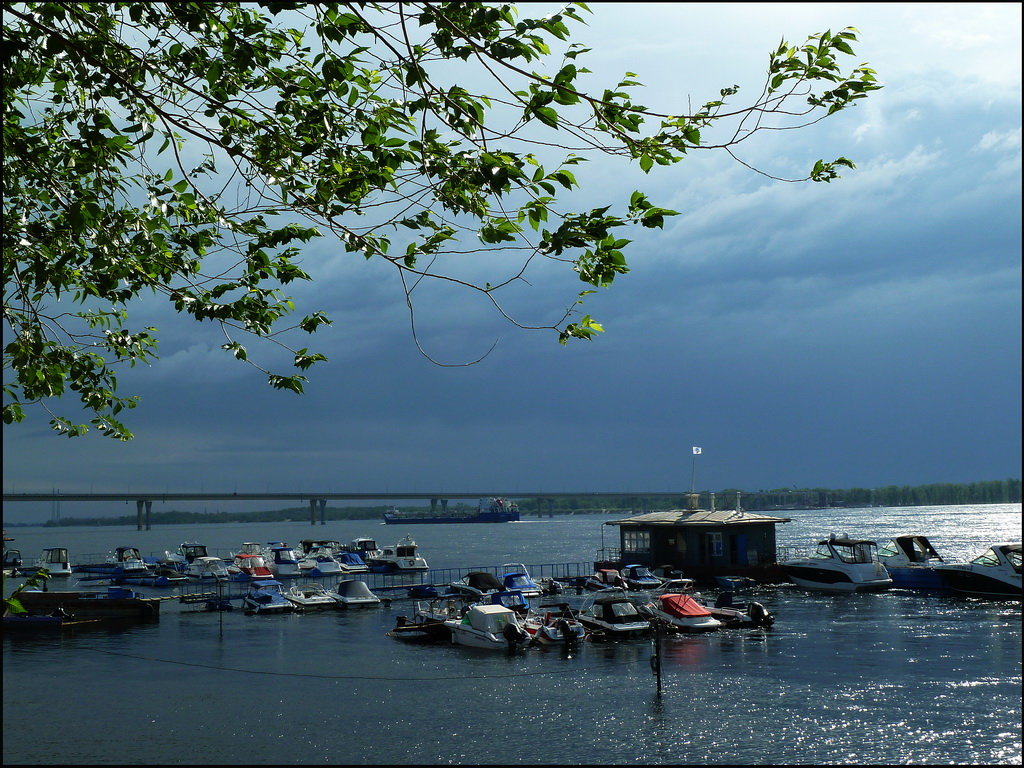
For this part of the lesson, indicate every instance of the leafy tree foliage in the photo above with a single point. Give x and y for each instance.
(190, 149)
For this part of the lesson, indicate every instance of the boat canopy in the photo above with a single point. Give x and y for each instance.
(264, 583)
(519, 581)
(354, 588)
(483, 581)
(489, 618)
(350, 558)
(617, 610)
(683, 606)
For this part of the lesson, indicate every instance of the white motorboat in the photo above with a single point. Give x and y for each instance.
(320, 562)
(680, 613)
(207, 568)
(55, 560)
(266, 596)
(283, 561)
(365, 547)
(639, 578)
(353, 592)
(840, 564)
(516, 577)
(558, 624)
(311, 597)
(403, 556)
(614, 615)
(185, 553)
(494, 627)
(994, 573)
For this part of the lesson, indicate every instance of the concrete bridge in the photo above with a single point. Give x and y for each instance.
(318, 501)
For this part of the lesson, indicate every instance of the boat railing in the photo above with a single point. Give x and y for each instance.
(442, 577)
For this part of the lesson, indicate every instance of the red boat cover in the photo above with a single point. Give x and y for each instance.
(682, 606)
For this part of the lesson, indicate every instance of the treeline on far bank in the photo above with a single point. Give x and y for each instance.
(939, 494)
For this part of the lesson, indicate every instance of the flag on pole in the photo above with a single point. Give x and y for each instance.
(696, 450)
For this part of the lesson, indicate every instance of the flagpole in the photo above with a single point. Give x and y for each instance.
(693, 467)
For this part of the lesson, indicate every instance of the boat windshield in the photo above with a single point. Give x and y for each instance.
(623, 610)
(861, 552)
(988, 558)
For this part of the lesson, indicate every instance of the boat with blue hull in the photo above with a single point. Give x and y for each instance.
(488, 511)
(910, 561)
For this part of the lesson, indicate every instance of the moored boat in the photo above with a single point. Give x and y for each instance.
(353, 593)
(55, 560)
(493, 627)
(207, 568)
(614, 615)
(556, 625)
(403, 556)
(679, 613)
(248, 566)
(840, 564)
(311, 597)
(266, 596)
(995, 573)
(910, 561)
(476, 584)
(517, 577)
(639, 578)
(114, 603)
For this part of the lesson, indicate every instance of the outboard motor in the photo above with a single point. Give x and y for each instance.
(760, 616)
(568, 636)
(514, 634)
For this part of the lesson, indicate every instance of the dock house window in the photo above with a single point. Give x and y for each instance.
(636, 541)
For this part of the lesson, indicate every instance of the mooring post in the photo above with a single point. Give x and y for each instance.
(656, 656)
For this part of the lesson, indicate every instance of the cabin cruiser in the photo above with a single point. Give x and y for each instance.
(207, 568)
(365, 547)
(124, 561)
(517, 577)
(266, 596)
(55, 561)
(674, 586)
(840, 564)
(604, 579)
(320, 562)
(186, 553)
(489, 626)
(311, 597)
(614, 615)
(403, 556)
(639, 578)
(911, 561)
(353, 592)
(994, 573)
(283, 560)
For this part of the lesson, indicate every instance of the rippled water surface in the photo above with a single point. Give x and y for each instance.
(890, 678)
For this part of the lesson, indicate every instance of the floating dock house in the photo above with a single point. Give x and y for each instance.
(701, 543)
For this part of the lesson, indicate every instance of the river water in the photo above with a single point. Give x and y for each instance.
(889, 678)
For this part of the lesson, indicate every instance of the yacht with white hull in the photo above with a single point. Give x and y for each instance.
(840, 564)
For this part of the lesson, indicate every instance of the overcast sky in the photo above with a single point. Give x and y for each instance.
(861, 333)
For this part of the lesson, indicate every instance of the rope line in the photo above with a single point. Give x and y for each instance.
(349, 677)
